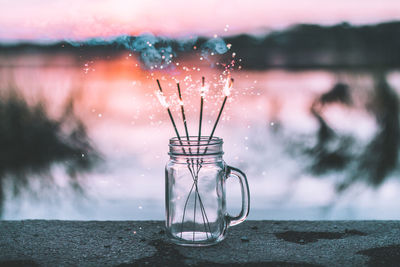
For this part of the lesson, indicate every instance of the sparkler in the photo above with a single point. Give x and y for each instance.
(203, 91)
(227, 91)
(182, 111)
(163, 101)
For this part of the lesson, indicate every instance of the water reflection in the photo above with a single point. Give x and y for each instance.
(31, 143)
(287, 130)
(331, 152)
(380, 157)
(371, 163)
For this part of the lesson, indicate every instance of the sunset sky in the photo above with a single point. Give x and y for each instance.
(47, 20)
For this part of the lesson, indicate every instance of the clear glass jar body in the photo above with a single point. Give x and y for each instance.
(195, 192)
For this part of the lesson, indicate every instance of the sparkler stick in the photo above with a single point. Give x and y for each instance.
(203, 91)
(161, 98)
(197, 195)
(183, 111)
(184, 120)
(227, 92)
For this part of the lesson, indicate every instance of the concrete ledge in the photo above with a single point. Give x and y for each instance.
(253, 243)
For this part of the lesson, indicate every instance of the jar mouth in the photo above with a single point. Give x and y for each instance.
(195, 146)
(195, 141)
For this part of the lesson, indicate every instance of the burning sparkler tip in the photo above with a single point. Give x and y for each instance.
(162, 99)
(204, 89)
(228, 86)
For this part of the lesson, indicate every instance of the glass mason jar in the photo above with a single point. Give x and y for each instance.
(195, 201)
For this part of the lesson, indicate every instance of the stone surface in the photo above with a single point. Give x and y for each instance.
(253, 243)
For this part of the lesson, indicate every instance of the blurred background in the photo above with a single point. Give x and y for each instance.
(313, 119)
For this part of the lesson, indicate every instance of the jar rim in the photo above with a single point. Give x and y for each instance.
(195, 147)
(194, 141)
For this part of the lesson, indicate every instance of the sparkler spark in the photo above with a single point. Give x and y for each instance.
(162, 99)
(164, 103)
(204, 90)
(227, 91)
(228, 86)
(183, 111)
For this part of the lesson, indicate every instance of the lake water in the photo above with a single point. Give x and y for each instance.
(265, 122)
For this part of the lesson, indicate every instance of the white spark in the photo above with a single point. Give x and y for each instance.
(162, 99)
(228, 86)
(204, 90)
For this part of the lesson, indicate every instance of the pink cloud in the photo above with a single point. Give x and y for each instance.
(33, 19)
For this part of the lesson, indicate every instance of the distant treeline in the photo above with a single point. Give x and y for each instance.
(301, 46)
(315, 46)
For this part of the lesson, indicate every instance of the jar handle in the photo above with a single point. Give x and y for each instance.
(231, 171)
